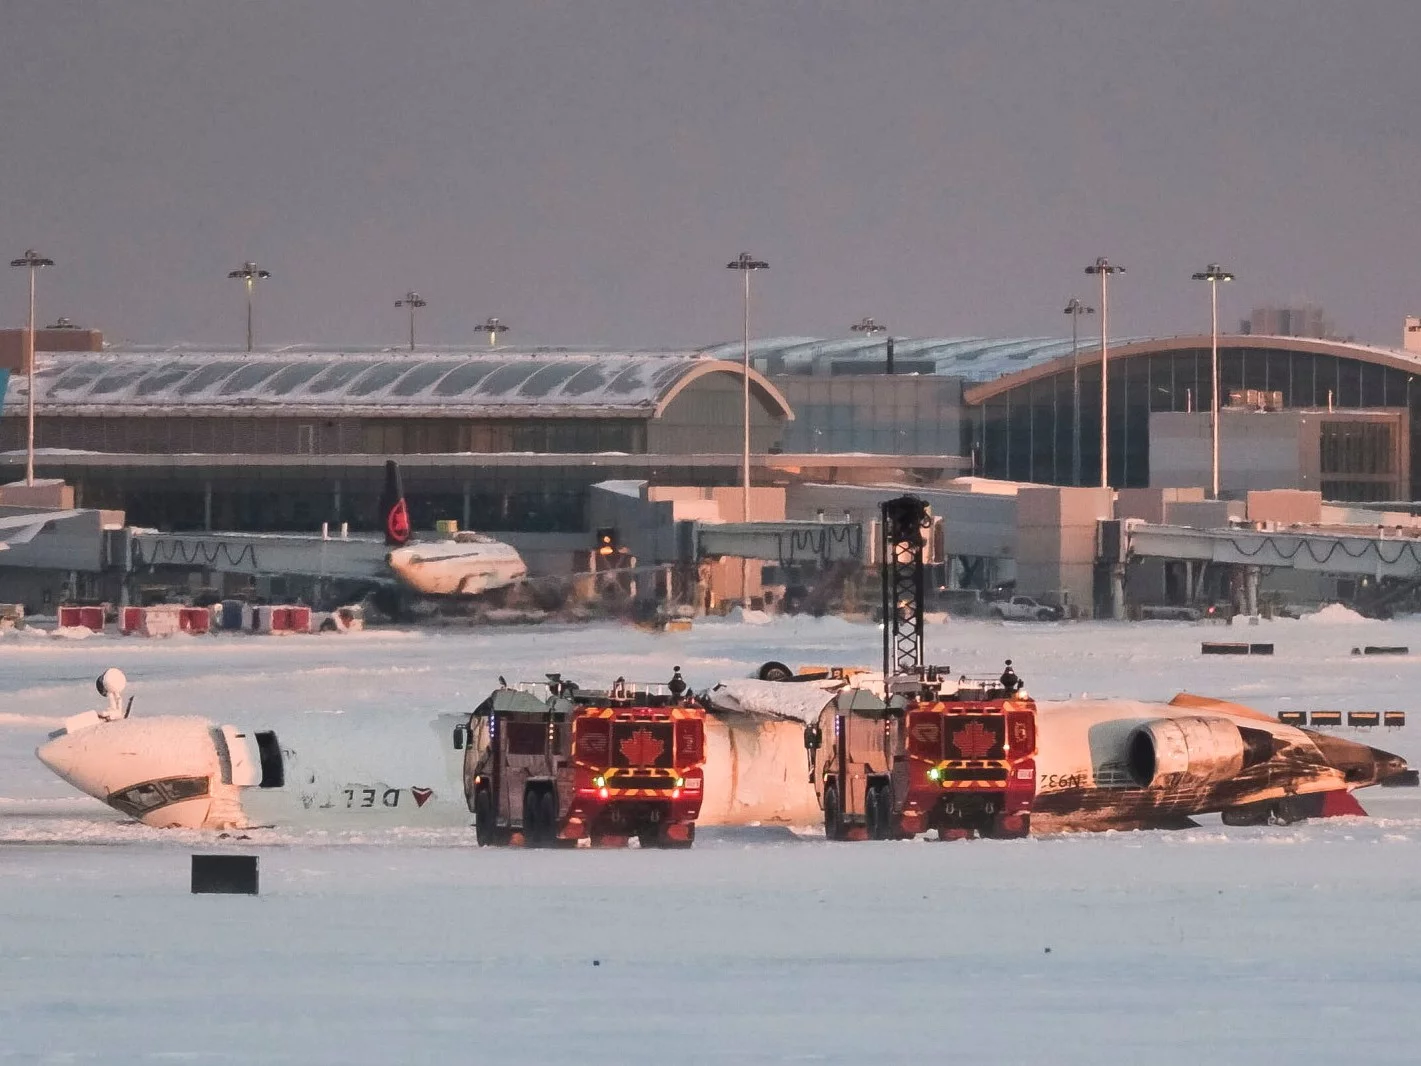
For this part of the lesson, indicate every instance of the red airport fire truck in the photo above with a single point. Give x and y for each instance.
(550, 763)
(921, 749)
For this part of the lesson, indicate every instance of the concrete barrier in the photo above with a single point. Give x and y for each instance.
(282, 618)
(195, 620)
(1217, 647)
(160, 620)
(76, 617)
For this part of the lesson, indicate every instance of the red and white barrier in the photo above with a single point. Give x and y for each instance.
(161, 620)
(195, 620)
(282, 618)
(91, 618)
(167, 619)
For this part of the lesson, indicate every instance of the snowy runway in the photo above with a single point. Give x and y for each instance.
(1213, 945)
(1183, 949)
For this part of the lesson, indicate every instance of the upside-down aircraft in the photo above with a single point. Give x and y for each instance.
(464, 565)
(1122, 764)
(1101, 764)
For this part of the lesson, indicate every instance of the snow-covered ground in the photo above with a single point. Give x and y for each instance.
(1214, 945)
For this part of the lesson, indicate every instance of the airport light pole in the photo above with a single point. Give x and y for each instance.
(31, 261)
(745, 264)
(868, 327)
(413, 302)
(1214, 274)
(1075, 309)
(1104, 268)
(493, 327)
(250, 275)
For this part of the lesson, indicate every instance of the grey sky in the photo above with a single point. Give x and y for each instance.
(585, 168)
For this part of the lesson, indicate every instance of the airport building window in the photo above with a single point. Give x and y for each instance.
(1029, 433)
(1364, 448)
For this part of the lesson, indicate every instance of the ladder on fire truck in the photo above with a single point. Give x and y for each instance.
(905, 528)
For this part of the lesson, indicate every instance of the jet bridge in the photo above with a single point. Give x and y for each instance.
(261, 554)
(1347, 551)
(779, 542)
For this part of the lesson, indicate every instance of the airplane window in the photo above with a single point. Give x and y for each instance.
(181, 788)
(138, 800)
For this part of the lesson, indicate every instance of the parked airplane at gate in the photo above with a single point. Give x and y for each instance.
(1101, 764)
(467, 564)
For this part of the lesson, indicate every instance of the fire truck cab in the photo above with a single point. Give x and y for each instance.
(925, 752)
(550, 763)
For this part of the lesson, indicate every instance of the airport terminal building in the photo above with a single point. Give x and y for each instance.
(511, 440)
(1028, 410)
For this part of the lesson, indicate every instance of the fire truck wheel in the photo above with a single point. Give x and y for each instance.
(532, 821)
(1009, 827)
(833, 816)
(658, 838)
(870, 813)
(483, 818)
(676, 845)
(880, 803)
(548, 816)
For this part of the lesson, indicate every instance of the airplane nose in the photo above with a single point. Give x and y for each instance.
(162, 772)
(76, 762)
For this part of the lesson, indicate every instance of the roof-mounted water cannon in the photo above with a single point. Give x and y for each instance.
(110, 684)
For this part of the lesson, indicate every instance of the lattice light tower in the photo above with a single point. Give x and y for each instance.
(905, 524)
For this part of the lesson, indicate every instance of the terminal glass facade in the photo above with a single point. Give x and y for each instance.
(1032, 432)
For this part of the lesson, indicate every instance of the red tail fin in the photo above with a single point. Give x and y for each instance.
(393, 508)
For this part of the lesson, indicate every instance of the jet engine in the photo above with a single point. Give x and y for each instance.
(1173, 751)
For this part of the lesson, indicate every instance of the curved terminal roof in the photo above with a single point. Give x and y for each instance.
(1410, 362)
(511, 383)
(565, 381)
(969, 358)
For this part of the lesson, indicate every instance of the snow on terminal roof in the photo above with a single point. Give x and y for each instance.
(974, 359)
(461, 382)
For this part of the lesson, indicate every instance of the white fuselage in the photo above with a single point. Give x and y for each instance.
(460, 567)
(393, 770)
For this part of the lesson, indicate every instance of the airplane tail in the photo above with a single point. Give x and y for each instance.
(393, 509)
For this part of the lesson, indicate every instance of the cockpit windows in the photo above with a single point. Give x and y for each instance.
(138, 800)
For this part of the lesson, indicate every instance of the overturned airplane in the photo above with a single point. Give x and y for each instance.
(1100, 764)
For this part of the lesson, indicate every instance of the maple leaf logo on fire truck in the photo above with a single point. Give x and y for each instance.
(973, 741)
(641, 748)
